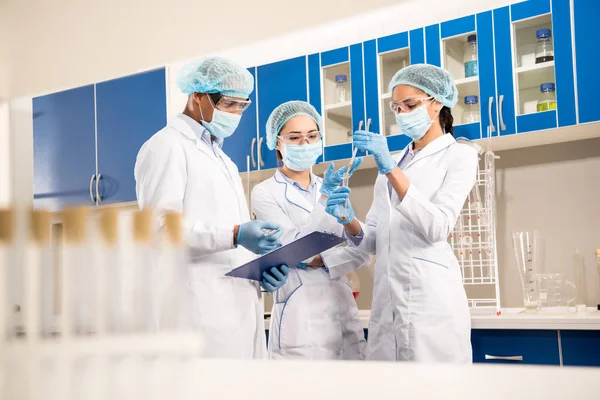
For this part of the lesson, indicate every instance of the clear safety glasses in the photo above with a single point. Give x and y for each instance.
(407, 105)
(300, 138)
(229, 104)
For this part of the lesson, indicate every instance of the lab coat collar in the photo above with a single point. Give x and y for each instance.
(437, 145)
(291, 193)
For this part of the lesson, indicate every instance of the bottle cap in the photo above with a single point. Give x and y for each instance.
(543, 33)
(471, 100)
(7, 225)
(547, 87)
(472, 38)
(341, 78)
(41, 222)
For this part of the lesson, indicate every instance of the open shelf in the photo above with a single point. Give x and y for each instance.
(337, 115)
(390, 63)
(386, 96)
(340, 109)
(454, 55)
(531, 68)
(466, 87)
(529, 79)
(389, 126)
(525, 39)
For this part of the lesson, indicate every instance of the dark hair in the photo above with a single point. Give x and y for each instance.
(446, 120)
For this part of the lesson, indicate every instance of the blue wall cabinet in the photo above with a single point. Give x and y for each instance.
(507, 346)
(338, 83)
(580, 348)
(64, 148)
(277, 83)
(520, 74)
(587, 31)
(129, 111)
(243, 143)
(460, 37)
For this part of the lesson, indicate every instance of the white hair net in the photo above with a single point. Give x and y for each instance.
(215, 75)
(283, 113)
(434, 81)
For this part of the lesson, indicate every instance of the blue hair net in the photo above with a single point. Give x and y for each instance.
(283, 114)
(434, 81)
(215, 75)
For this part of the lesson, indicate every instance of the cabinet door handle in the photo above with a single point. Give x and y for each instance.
(490, 103)
(91, 190)
(97, 192)
(505, 358)
(252, 152)
(260, 160)
(500, 101)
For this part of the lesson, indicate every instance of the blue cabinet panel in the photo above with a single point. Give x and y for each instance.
(417, 46)
(338, 152)
(458, 26)
(587, 31)
(398, 142)
(392, 42)
(535, 346)
(469, 131)
(371, 90)
(336, 56)
(504, 73)
(129, 111)
(432, 44)
(580, 348)
(244, 141)
(487, 70)
(314, 79)
(536, 122)
(563, 62)
(64, 149)
(277, 83)
(529, 8)
(356, 85)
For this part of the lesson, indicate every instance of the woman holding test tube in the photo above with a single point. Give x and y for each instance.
(420, 310)
(314, 314)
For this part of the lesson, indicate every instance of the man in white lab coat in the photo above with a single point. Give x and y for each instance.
(182, 168)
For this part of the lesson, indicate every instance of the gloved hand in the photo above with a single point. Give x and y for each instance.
(275, 278)
(377, 145)
(332, 179)
(338, 205)
(302, 266)
(252, 237)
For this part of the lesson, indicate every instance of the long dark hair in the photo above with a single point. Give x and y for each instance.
(446, 120)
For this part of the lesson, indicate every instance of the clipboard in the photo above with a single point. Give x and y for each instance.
(291, 254)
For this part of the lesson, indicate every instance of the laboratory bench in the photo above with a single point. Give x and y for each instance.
(514, 337)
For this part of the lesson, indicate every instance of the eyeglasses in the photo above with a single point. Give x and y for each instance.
(299, 138)
(407, 105)
(229, 104)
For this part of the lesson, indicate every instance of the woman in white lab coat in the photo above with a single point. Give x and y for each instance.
(314, 314)
(420, 310)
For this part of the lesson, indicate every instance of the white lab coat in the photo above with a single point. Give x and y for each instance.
(314, 314)
(177, 171)
(420, 310)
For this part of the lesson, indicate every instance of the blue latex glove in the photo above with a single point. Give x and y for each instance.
(275, 278)
(332, 179)
(377, 145)
(338, 205)
(301, 266)
(252, 236)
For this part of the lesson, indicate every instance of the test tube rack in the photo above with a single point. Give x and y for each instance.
(474, 239)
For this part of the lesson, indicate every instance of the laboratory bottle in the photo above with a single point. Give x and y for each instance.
(145, 273)
(471, 113)
(547, 99)
(471, 64)
(354, 283)
(341, 89)
(544, 50)
(579, 280)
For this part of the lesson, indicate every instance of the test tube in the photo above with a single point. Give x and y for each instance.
(113, 277)
(145, 273)
(7, 233)
(79, 290)
(173, 268)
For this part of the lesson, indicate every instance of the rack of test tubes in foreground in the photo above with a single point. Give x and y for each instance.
(474, 239)
(79, 310)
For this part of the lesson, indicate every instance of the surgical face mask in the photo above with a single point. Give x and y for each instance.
(300, 157)
(415, 124)
(223, 124)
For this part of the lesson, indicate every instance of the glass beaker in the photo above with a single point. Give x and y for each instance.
(552, 293)
(524, 247)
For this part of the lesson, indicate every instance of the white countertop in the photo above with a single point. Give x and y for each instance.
(515, 318)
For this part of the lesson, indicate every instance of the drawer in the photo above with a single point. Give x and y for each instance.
(580, 348)
(508, 346)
